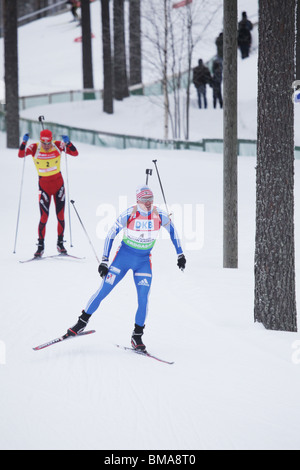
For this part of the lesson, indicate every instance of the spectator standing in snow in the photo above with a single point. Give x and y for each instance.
(244, 35)
(201, 77)
(217, 82)
(141, 224)
(219, 44)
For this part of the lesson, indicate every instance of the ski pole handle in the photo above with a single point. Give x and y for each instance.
(148, 173)
(41, 119)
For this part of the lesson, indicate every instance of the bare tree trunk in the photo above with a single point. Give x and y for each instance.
(135, 46)
(275, 297)
(120, 71)
(107, 60)
(11, 73)
(173, 34)
(165, 73)
(87, 62)
(190, 58)
(298, 41)
(230, 248)
(175, 82)
(1, 18)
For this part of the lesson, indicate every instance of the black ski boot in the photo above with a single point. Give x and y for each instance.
(80, 325)
(41, 247)
(60, 245)
(136, 338)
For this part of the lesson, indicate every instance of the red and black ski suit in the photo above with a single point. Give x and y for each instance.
(51, 182)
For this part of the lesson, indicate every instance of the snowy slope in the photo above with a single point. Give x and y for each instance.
(234, 385)
(147, 113)
(53, 63)
(147, 116)
(48, 49)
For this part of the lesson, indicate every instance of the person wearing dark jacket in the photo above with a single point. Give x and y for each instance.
(216, 82)
(244, 35)
(219, 44)
(201, 76)
(74, 6)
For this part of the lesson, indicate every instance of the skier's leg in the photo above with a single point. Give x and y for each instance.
(60, 200)
(143, 279)
(117, 270)
(44, 204)
(107, 285)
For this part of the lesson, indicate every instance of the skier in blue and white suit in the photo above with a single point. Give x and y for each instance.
(141, 224)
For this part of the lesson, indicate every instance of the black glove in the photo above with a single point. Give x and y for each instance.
(181, 262)
(103, 268)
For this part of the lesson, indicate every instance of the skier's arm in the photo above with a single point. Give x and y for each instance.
(23, 151)
(170, 227)
(120, 223)
(167, 223)
(22, 148)
(67, 146)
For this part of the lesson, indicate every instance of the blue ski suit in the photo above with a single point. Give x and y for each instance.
(140, 232)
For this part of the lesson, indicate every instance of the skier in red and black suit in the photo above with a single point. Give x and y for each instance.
(47, 157)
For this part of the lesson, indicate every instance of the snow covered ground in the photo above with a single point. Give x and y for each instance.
(234, 385)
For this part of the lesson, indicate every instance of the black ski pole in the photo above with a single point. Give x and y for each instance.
(148, 173)
(41, 119)
(84, 229)
(161, 187)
